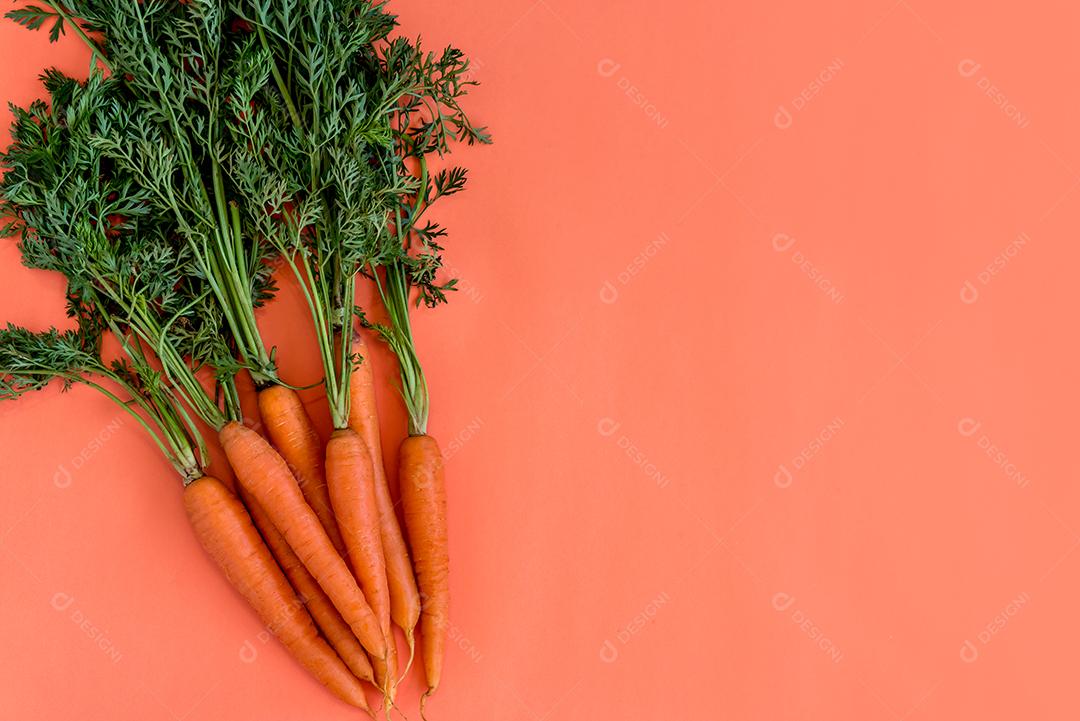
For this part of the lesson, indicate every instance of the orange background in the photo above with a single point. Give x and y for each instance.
(758, 398)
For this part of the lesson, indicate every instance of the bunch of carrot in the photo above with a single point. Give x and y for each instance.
(212, 143)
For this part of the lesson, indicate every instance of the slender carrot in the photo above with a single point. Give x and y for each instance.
(352, 491)
(364, 419)
(327, 618)
(263, 474)
(423, 496)
(294, 436)
(225, 530)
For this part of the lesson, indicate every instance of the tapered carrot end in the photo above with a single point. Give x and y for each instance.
(388, 703)
(363, 705)
(423, 701)
(410, 638)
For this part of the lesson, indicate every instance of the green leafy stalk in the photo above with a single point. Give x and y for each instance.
(29, 361)
(360, 105)
(76, 212)
(179, 68)
(286, 129)
(426, 117)
(308, 136)
(398, 335)
(174, 64)
(34, 17)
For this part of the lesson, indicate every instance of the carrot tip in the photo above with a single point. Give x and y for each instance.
(391, 705)
(411, 640)
(423, 701)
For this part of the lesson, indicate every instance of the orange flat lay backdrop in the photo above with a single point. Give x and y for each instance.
(758, 398)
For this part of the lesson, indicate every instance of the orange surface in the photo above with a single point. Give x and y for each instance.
(758, 401)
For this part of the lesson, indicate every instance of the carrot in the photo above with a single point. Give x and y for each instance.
(351, 480)
(327, 618)
(423, 497)
(225, 530)
(294, 436)
(263, 474)
(364, 419)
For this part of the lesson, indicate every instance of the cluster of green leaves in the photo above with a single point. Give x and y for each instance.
(80, 213)
(77, 212)
(427, 118)
(29, 361)
(303, 159)
(369, 112)
(179, 68)
(232, 136)
(311, 124)
(32, 360)
(334, 120)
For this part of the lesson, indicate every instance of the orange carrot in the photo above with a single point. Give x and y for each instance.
(263, 474)
(225, 530)
(423, 497)
(327, 618)
(351, 480)
(364, 419)
(294, 436)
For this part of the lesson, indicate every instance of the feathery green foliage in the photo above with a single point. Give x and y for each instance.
(268, 131)
(427, 118)
(309, 147)
(29, 361)
(79, 213)
(369, 110)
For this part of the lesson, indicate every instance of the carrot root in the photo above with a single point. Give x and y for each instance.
(410, 639)
(351, 481)
(364, 419)
(423, 496)
(423, 702)
(327, 619)
(265, 475)
(225, 530)
(292, 433)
